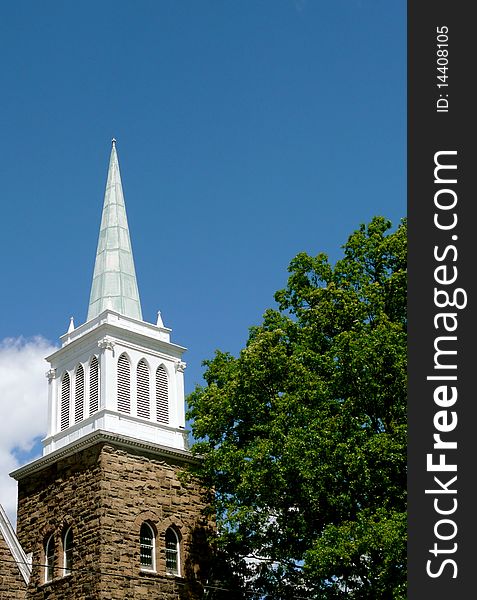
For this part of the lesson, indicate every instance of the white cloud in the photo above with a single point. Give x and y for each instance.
(23, 406)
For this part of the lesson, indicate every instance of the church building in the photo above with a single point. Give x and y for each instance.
(105, 513)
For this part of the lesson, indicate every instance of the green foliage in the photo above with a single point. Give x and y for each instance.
(303, 436)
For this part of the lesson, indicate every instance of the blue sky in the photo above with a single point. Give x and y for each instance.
(247, 131)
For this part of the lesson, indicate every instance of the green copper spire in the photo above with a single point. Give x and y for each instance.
(114, 280)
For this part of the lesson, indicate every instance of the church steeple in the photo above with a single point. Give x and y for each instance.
(116, 373)
(105, 511)
(114, 280)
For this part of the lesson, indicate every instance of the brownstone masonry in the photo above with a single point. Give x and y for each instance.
(12, 584)
(105, 491)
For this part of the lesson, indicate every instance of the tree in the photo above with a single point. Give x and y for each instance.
(303, 436)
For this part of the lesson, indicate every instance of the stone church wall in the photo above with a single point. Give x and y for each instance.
(105, 493)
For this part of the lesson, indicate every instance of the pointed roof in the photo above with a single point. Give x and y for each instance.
(11, 552)
(114, 279)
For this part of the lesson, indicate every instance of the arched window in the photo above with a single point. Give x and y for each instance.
(49, 558)
(172, 552)
(162, 396)
(143, 409)
(68, 551)
(147, 547)
(93, 385)
(65, 402)
(124, 384)
(79, 394)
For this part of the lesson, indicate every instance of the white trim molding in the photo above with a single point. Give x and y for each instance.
(24, 562)
(97, 437)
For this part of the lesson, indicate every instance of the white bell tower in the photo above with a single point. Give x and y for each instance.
(116, 374)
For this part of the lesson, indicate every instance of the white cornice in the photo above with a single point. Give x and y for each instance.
(144, 335)
(123, 416)
(97, 437)
(112, 317)
(140, 348)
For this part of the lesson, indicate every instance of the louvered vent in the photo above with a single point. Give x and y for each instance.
(143, 390)
(65, 402)
(79, 394)
(162, 396)
(124, 385)
(93, 385)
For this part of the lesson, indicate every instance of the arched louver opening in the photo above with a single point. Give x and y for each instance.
(93, 385)
(68, 551)
(124, 384)
(143, 409)
(65, 402)
(79, 394)
(147, 547)
(162, 395)
(49, 558)
(172, 552)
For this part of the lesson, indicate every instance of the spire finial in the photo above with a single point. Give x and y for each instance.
(72, 325)
(113, 141)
